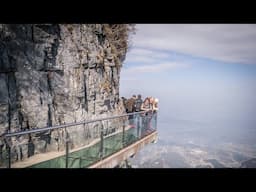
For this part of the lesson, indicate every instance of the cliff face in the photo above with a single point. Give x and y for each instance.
(56, 74)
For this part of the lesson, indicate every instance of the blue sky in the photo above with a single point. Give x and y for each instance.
(192, 54)
(196, 70)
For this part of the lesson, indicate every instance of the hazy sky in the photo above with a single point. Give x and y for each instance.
(203, 72)
(205, 78)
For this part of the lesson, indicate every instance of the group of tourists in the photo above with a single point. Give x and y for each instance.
(136, 104)
(145, 122)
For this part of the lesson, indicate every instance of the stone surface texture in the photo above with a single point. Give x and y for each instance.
(52, 74)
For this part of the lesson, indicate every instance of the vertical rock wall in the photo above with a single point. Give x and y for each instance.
(54, 74)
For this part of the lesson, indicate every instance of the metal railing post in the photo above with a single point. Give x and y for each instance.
(8, 149)
(67, 149)
(156, 121)
(107, 129)
(101, 140)
(9, 156)
(123, 135)
(138, 125)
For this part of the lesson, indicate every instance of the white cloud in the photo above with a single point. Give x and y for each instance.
(223, 42)
(138, 58)
(155, 68)
(149, 53)
(145, 55)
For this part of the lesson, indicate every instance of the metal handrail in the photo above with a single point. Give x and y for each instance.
(36, 130)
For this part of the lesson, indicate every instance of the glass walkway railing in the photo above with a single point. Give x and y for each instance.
(99, 138)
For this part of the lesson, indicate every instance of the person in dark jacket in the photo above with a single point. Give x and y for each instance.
(138, 103)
